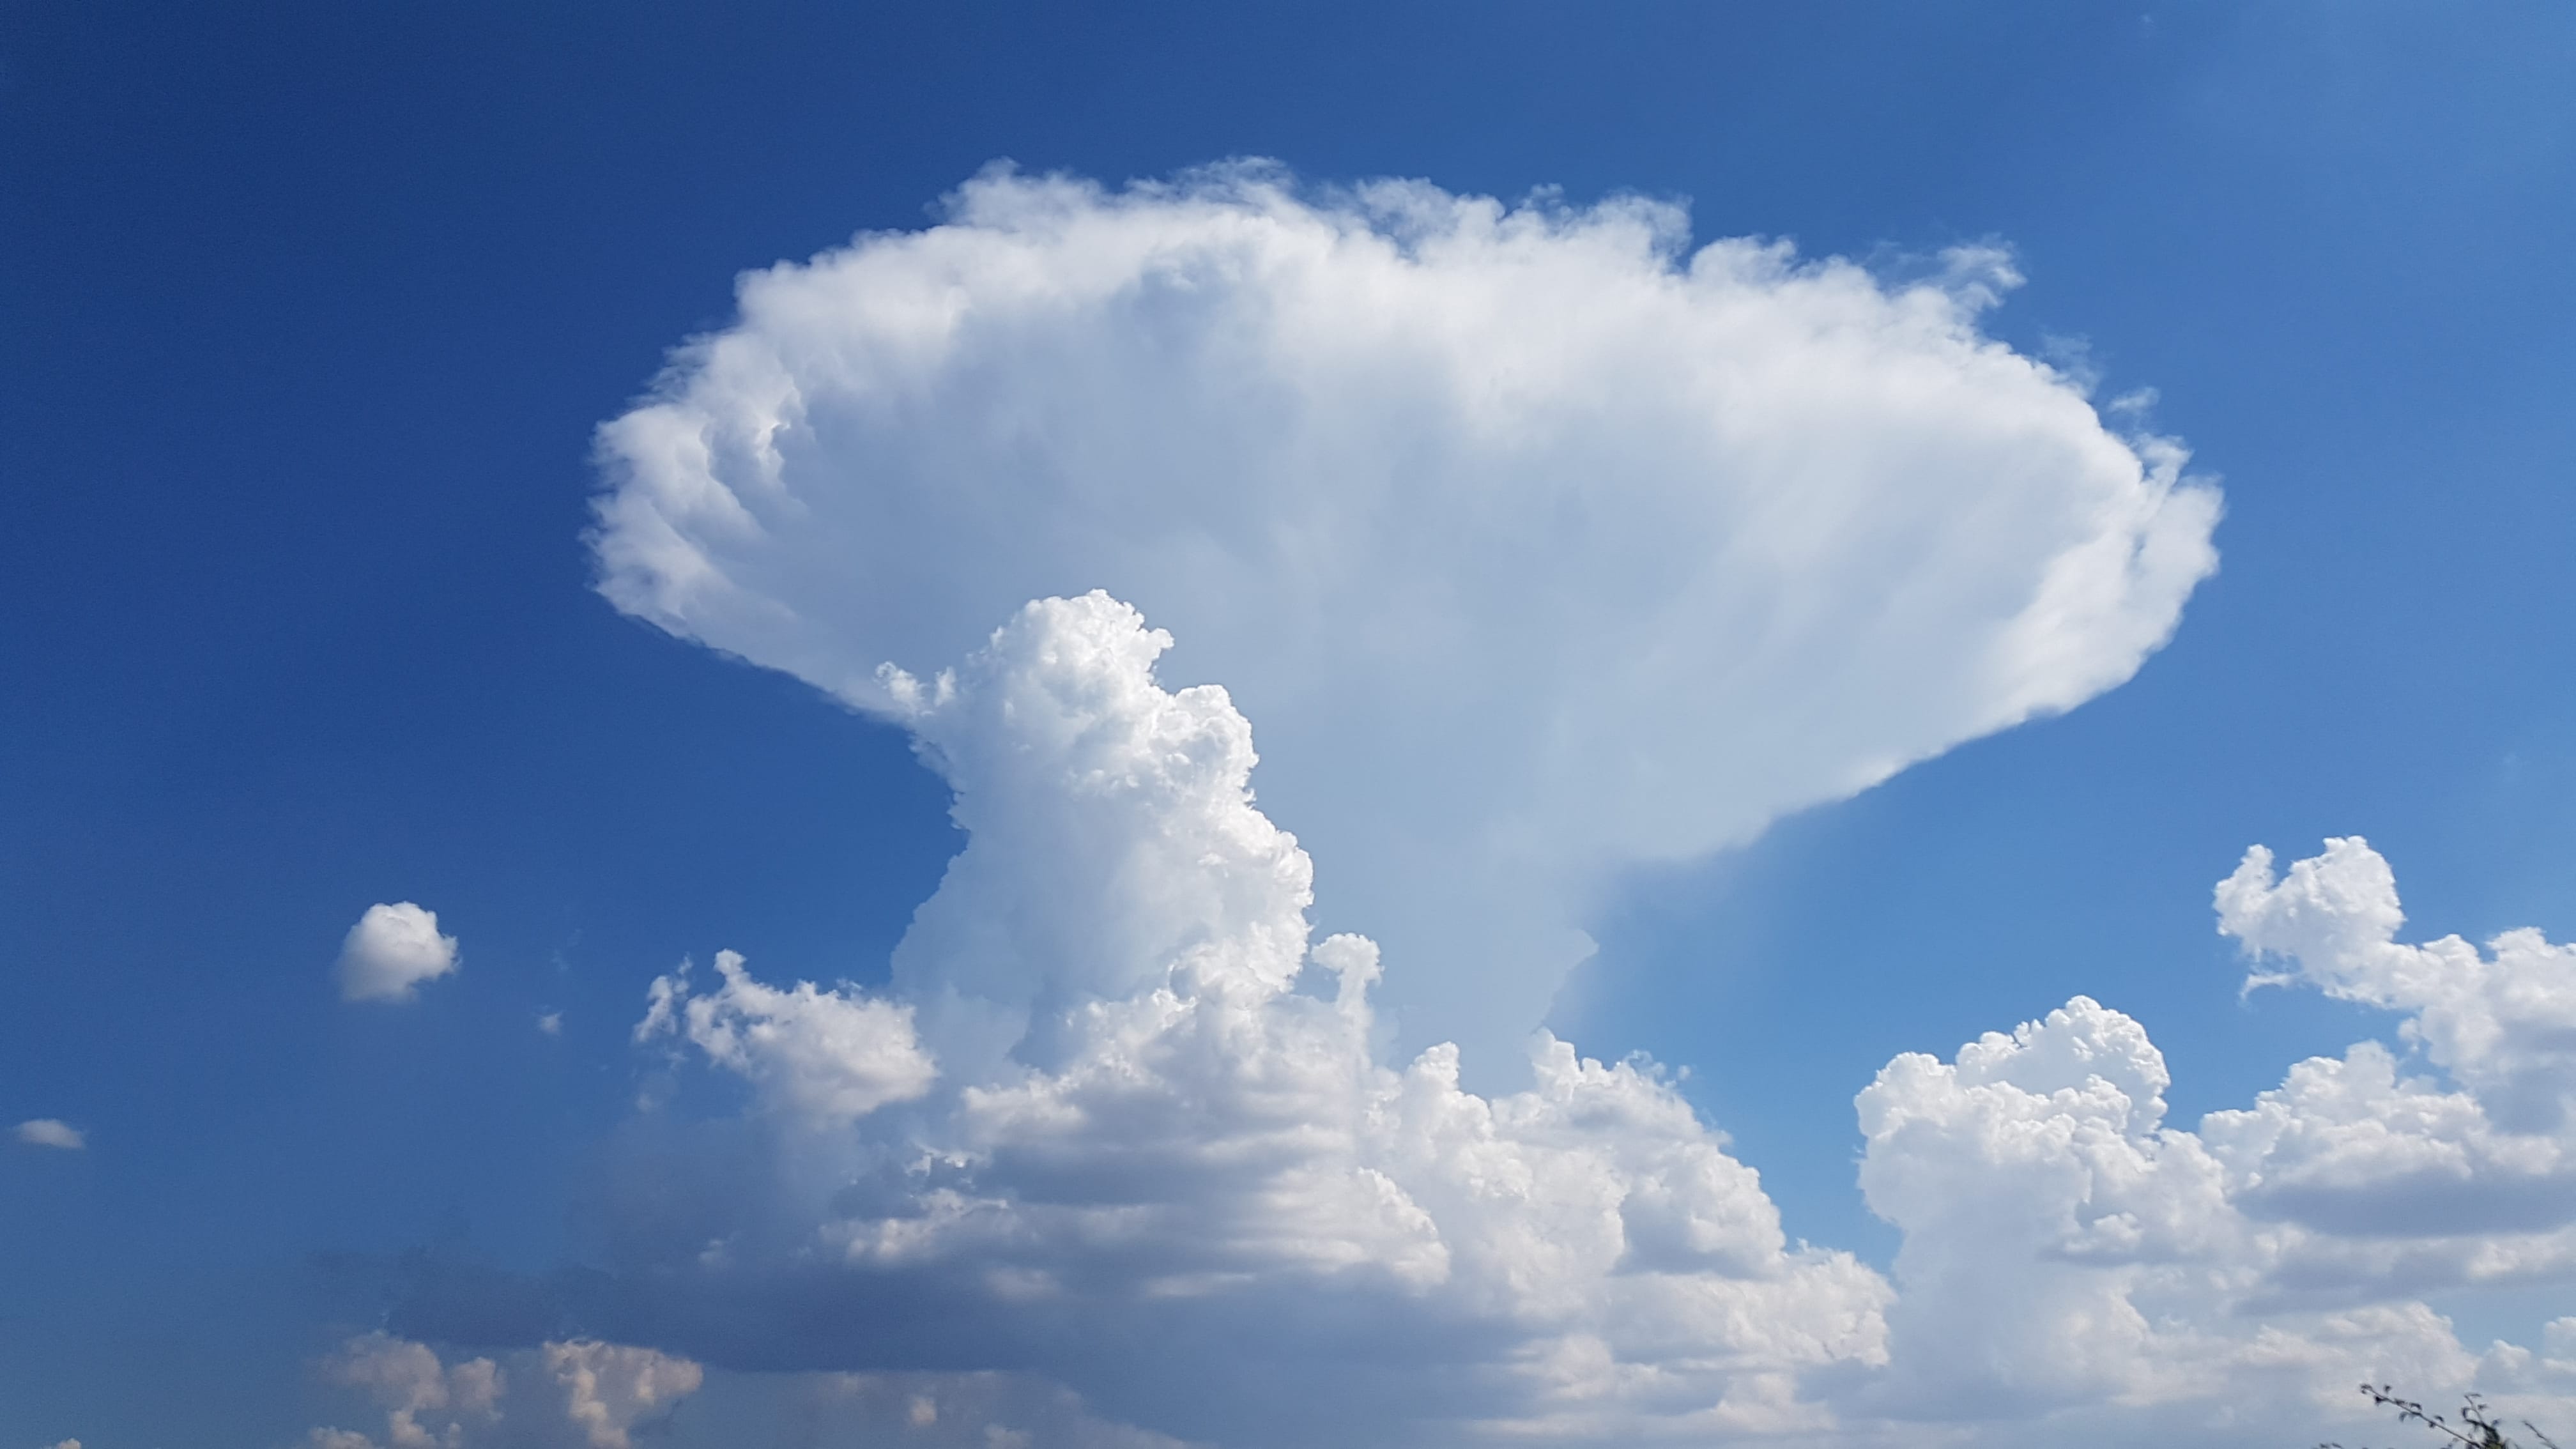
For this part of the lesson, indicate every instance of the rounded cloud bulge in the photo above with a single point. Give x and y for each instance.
(392, 950)
(1539, 542)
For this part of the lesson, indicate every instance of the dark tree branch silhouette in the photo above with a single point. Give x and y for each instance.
(2477, 1426)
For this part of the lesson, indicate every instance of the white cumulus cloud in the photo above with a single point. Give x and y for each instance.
(2502, 1022)
(1141, 1143)
(602, 1391)
(825, 1056)
(391, 951)
(961, 1411)
(609, 1388)
(50, 1132)
(416, 1390)
(1540, 542)
(1158, 1110)
(2068, 1253)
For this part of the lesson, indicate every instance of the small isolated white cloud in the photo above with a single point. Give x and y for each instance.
(550, 1023)
(68, 1444)
(329, 1438)
(610, 1388)
(1539, 542)
(391, 951)
(48, 1132)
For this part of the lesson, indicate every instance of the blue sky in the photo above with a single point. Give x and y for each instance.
(312, 312)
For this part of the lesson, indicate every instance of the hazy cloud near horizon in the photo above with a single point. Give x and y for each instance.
(570, 1394)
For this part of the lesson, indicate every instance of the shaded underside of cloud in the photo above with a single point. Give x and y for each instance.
(1539, 542)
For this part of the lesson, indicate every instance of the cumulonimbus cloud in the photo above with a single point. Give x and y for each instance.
(1539, 542)
(1120, 1124)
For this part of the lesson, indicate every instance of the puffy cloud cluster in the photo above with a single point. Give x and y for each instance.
(408, 1381)
(2502, 1023)
(2065, 1249)
(2373, 1155)
(1539, 542)
(391, 951)
(924, 1411)
(584, 1394)
(601, 1391)
(1132, 1133)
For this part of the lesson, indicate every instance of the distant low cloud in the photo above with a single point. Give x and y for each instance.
(391, 951)
(2066, 1248)
(983, 1410)
(557, 1395)
(47, 1132)
(1539, 542)
(609, 1388)
(416, 1390)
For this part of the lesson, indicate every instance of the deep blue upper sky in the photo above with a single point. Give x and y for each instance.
(310, 310)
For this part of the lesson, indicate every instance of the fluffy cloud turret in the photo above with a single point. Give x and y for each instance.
(1539, 542)
(602, 1392)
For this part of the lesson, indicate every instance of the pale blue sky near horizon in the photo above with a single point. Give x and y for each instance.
(310, 311)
